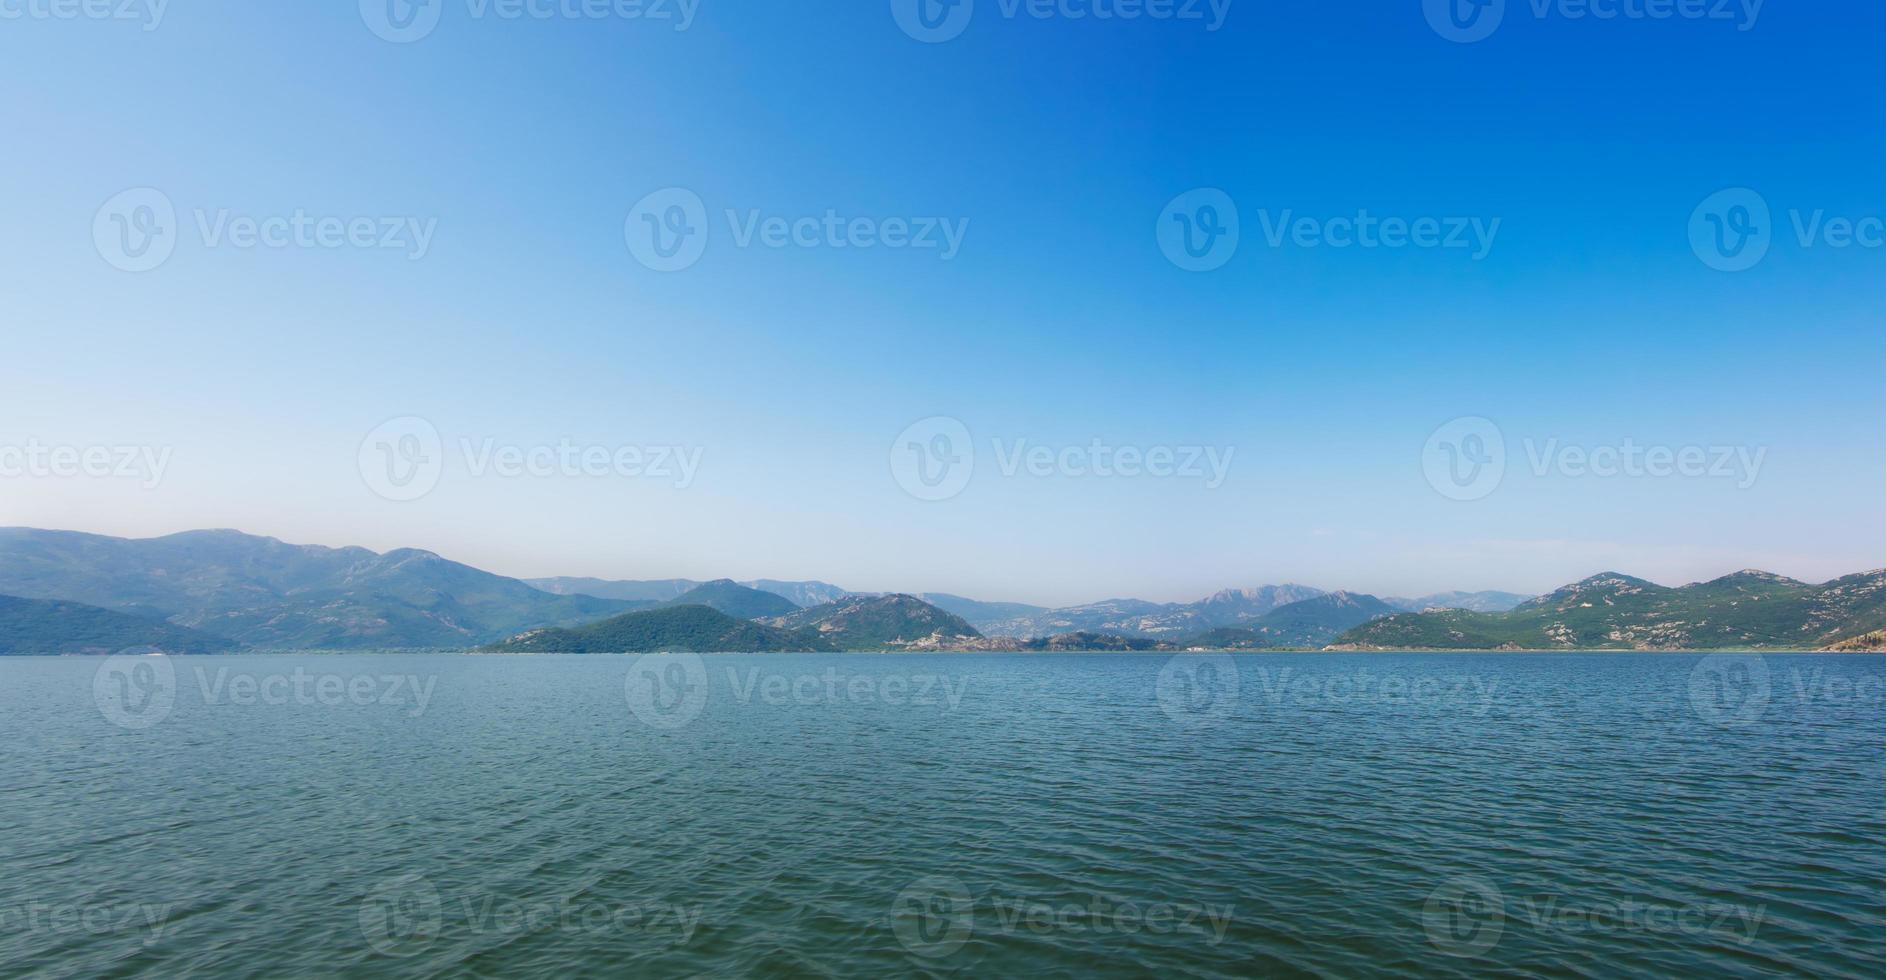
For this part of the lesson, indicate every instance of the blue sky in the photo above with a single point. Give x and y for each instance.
(1054, 144)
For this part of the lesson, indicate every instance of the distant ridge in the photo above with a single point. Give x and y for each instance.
(47, 626)
(800, 594)
(733, 599)
(264, 593)
(228, 589)
(1750, 609)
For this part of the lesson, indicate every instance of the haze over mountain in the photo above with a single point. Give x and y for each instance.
(264, 593)
(800, 594)
(1309, 623)
(733, 599)
(1472, 601)
(234, 588)
(1136, 617)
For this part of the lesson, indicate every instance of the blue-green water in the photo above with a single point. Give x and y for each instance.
(832, 815)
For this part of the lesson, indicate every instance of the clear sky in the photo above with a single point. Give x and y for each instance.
(1052, 145)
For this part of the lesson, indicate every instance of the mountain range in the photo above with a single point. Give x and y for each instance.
(1749, 609)
(206, 591)
(260, 592)
(52, 626)
(1124, 617)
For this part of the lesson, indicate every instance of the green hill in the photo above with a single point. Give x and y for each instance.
(736, 600)
(695, 629)
(44, 626)
(880, 623)
(1746, 610)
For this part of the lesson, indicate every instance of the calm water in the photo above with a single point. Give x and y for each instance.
(832, 815)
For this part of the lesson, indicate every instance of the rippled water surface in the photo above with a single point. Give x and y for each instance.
(832, 815)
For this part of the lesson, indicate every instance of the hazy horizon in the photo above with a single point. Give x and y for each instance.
(983, 594)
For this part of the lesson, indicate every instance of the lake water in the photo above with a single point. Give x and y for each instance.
(865, 815)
